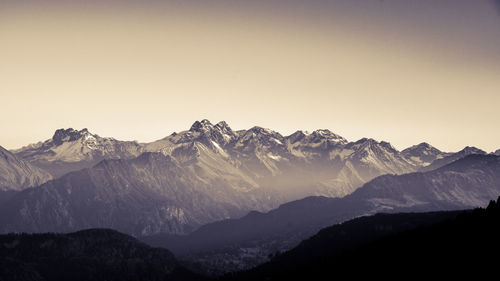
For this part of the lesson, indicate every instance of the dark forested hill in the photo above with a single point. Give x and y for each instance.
(445, 244)
(95, 254)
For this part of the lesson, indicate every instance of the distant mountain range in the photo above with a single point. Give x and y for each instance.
(226, 200)
(188, 179)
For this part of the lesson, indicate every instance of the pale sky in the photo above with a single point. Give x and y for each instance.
(403, 71)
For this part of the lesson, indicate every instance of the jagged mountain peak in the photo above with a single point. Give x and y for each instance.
(424, 145)
(421, 149)
(70, 150)
(297, 136)
(223, 125)
(423, 153)
(369, 144)
(68, 135)
(471, 150)
(327, 134)
(364, 143)
(318, 139)
(497, 152)
(387, 145)
(365, 140)
(202, 125)
(260, 135)
(205, 131)
(261, 130)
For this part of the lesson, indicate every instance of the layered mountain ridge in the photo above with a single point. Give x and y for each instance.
(231, 244)
(187, 179)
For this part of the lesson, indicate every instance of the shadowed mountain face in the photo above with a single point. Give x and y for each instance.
(17, 174)
(96, 254)
(149, 194)
(444, 244)
(466, 183)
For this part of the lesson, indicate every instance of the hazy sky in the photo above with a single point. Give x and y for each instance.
(404, 71)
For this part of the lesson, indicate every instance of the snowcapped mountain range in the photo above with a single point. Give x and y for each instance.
(326, 162)
(191, 178)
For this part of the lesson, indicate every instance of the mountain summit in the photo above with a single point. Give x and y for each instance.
(423, 153)
(69, 150)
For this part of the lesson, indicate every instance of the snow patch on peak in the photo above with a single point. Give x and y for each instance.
(261, 130)
(274, 157)
(277, 141)
(219, 149)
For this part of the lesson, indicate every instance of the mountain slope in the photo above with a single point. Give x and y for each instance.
(469, 182)
(442, 245)
(96, 254)
(149, 194)
(16, 174)
(70, 150)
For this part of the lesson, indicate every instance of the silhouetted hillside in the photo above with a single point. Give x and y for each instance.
(95, 254)
(462, 244)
